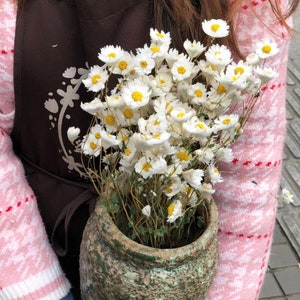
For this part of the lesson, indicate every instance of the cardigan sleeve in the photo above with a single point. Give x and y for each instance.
(29, 267)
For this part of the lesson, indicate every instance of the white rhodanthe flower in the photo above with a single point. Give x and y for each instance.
(196, 127)
(114, 100)
(144, 63)
(182, 69)
(91, 145)
(218, 55)
(266, 49)
(123, 65)
(73, 133)
(147, 167)
(110, 54)
(226, 122)
(194, 48)
(96, 79)
(214, 174)
(286, 196)
(146, 210)
(198, 93)
(136, 94)
(265, 74)
(174, 211)
(215, 28)
(108, 140)
(160, 36)
(193, 177)
(174, 187)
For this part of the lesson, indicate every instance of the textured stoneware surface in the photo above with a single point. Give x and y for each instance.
(113, 267)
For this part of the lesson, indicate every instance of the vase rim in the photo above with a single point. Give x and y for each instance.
(113, 237)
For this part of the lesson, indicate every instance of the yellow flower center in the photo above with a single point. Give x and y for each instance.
(171, 208)
(226, 121)
(201, 125)
(122, 65)
(97, 135)
(127, 151)
(96, 78)
(146, 166)
(143, 64)
(182, 155)
(266, 49)
(160, 35)
(128, 113)
(239, 70)
(155, 49)
(198, 93)
(156, 136)
(110, 120)
(162, 81)
(156, 122)
(169, 189)
(215, 27)
(112, 55)
(212, 67)
(93, 145)
(180, 114)
(181, 70)
(137, 96)
(216, 170)
(221, 89)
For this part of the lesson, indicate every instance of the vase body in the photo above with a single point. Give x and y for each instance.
(113, 267)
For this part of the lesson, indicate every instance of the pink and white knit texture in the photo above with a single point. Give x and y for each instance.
(247, 210)
(29, 270)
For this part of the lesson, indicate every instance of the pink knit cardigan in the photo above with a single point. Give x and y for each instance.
(29, 269)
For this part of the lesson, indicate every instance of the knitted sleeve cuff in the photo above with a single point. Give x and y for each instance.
(49, 284)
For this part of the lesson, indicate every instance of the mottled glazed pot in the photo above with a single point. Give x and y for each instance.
(113, 267)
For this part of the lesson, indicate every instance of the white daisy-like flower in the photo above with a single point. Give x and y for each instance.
(286, 196)
(114, 100)
(193, 177)
(144, 63)
(181, 114)
(94, 107)
(182, 69)
(265, 74)
(196, 127)
(110, 54)
(215, 28)
(197, 92)
(162, 82)
(130, 116)
(147, 167)
(206, 189)
(136, 94)
(266, 48)
(174, 187)
(111, 118)
(218, 55)
(205, 155)
(174, 211)
(91, 145)
(108, 140)
(252, 59)
(156, 123)
(214, 174)
(224, 154)
(158, 50)
(182, 157)
(123, 65)
(73, 133)
(146, 210)
(194, 48)
(160, 36)
(225, 122)
(96, 79)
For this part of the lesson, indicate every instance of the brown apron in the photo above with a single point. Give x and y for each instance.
(51, 36)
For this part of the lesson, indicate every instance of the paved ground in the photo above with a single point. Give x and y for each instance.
(282, 281)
